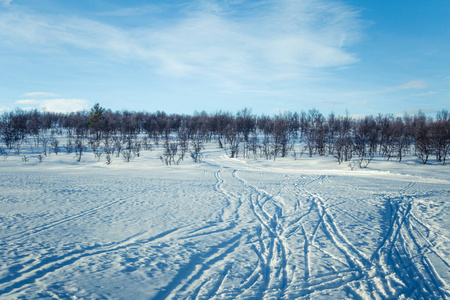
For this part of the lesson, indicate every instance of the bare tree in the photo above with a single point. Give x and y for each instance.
(44, 143)
(423, 144)
(232, 139)
(117, 145)
(55, 145)
(197, 147)
(363, 141)
(127, 155)
(440, 136)
(108, 159)
(40, 158)
(79, 149)
(171, 155)
(280, 135)
(136, 148)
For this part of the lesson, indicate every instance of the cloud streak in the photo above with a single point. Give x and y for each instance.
(5, 2)
(40, 94)
(247, 43)
(54, 105)
(411, 85)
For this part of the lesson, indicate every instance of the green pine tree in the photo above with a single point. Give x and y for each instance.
(95, 119)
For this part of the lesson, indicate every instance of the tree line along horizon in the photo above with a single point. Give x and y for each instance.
(113, 134)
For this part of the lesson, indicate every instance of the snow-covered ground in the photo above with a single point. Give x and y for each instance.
(224, 229)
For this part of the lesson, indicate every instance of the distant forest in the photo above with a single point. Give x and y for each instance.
(125, 134)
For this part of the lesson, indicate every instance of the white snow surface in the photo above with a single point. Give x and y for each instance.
(223, 229)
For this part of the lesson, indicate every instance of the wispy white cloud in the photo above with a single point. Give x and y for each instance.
(414, 84)
(264, 41)
(27, 102)
(64, 105)
(282, 40)
(333, 102)
(429, 93)
(40, 94)
(5, 2)
(133, 11)
(54, 105)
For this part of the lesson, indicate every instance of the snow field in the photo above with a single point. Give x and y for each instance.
(223, 229)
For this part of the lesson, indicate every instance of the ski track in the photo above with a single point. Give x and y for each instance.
(191, 273)
(38, 229)
(17, 281)
(289, 242)
(368, 277)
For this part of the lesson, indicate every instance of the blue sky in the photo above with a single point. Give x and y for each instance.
(364, 57)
